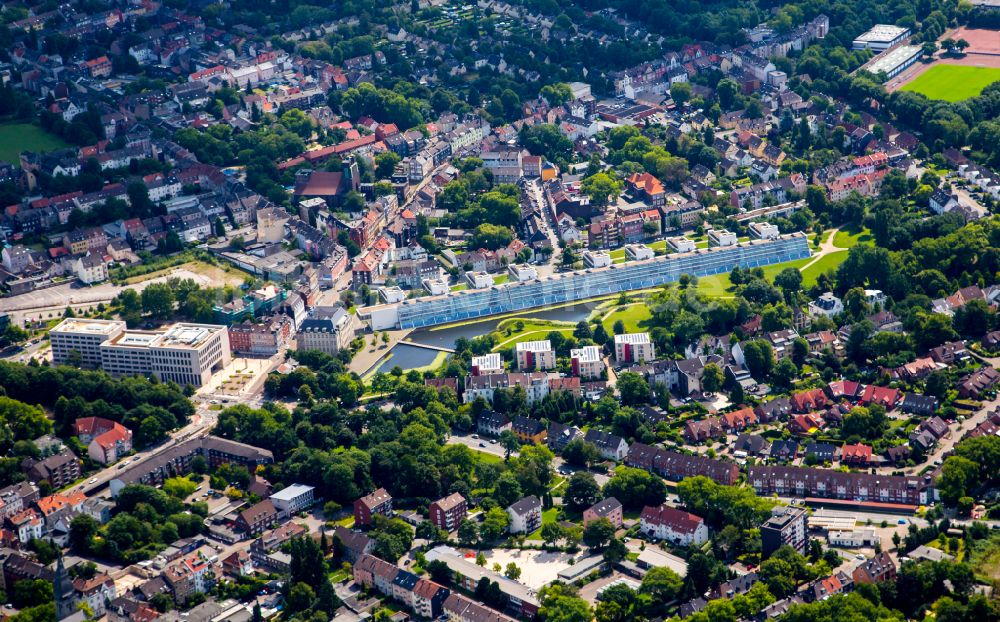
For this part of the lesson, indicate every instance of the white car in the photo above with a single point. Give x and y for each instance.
(93, 480)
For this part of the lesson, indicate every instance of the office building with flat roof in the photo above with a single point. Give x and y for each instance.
(128, 354)
(183, 353)
(583, 284)
(84, 338)
(190, 353)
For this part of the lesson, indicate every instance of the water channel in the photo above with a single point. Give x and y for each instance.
(411, 357)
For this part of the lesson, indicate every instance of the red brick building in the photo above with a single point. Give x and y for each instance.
(365, 508)
(448, 512)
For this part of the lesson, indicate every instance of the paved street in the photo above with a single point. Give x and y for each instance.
(482, 444)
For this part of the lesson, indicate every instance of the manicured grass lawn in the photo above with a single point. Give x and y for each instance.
(532, 330)
(850, 239)
(635, 317)
(548, 516)
(482, 456)
(953, 82)
(772, 271)
(720, 285)
(825, 264)
(459, 287)
(18, 137)
(500, 278)
(538, 334)
(347, 521)
(715, 285)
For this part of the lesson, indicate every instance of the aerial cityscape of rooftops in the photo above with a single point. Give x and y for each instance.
(497, 311)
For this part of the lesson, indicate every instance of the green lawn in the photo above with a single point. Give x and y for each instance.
(850, 239)
(953, 82)
(720, 285)
(18, 137)
(635, 317)
(532, 330)
(548, 516)
(715, 285)
(500, 278)
(482, 456)
(825, 264)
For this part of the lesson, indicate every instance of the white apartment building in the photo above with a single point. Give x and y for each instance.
(681, 244)
(184, 353)
(525, 515)
(827, 304)
(673, 525)
(633, 348)
(435, 287)
(638, 252)
(535, 355)
(479, 280)
(763, 231)
(535, 385)
(596, 259)
(505, 164)
(521, 272)
(491, 363)
(721, 237)
(586, 362)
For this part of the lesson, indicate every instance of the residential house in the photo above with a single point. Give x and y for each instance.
(529, 430)
(697, 431)
(676, 526)
(351, 544)
(365, 508)
(858, 454)
(610, 446)
(609, 508)
(257, 518)
(493, 423)
(448, 512)
(875, 570)
(525, 515)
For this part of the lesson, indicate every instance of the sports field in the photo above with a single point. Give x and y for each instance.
(18, 137)
(953, 82)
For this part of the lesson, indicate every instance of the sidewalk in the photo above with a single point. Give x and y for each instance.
(366, 358)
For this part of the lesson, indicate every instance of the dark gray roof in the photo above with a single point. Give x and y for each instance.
(526, 504)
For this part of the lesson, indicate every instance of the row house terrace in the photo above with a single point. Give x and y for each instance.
(828, 484)
(676, 466)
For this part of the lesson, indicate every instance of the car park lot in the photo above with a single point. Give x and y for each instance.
(538, 568)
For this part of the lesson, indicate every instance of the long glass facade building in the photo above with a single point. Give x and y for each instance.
(582, 284)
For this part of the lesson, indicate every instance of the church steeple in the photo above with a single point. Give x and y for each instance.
(64, 591)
